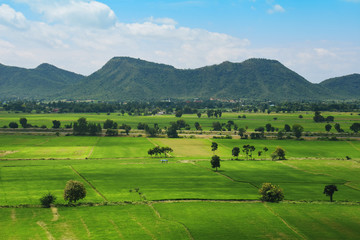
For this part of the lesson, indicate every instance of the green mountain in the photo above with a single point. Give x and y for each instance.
(43, 82)
(346, 86)
(125, 78)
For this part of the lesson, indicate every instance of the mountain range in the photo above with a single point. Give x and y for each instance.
(125, 78)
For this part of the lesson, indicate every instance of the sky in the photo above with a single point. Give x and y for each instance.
(318, 39)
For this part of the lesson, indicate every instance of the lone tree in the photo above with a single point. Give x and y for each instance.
(328, 127)
(329, 191)
(235, 152)
(74, 191)
(215, 162)
(265, 150)
(278, 154)
(271, 193)
(23, 122)
(56, 124)
(297, 130)
(47, 200)
(214, 146)
(355, 127)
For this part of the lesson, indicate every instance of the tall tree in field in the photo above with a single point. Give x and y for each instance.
(329, 191)
(297, 130)
(214, 146)
(265, 150)
(235, 152)
(328, 127)
(74, 191)
(215, 162)
(56, 124)
(198, 115)
(355, 127)
(23, 122)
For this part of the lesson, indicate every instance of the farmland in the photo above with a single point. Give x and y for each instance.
(185, 198)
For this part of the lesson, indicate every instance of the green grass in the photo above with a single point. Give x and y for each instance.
(26, 184)
(107, 222)
(322, 221)
(252, 121)
(297, 184)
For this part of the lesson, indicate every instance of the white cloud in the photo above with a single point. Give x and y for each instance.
(276, 9)
(9, 17)
(74, 12)
(165, 21)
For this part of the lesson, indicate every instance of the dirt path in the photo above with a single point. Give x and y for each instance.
(286, 223)
(116, 229)
(351, 144)
(144, 228)
(4, 153)
(44, 227)
(92, 149)
(92, 186)
(85, 226)
(152, 142)
(55, 213)
(13, 215)
(184, 226)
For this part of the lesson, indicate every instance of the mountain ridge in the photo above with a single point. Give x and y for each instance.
(126, 78)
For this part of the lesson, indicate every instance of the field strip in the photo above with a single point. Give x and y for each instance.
(92, 186)
(159, 216)
(297, 168)
(214, 172)
(351, 144)
(13, 215)
(147, 231)
(85, 226)
(116, 229)
(44, 227)
(42, 143)
(152, 142)
(352, 187)
(92, 149)
(55, 213)
(224, 146)
(288, 225)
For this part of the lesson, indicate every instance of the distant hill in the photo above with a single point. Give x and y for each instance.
(133, 79)
(43, 82)
(346, 86)
(124, 79)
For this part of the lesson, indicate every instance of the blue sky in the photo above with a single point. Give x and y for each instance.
(318, 39)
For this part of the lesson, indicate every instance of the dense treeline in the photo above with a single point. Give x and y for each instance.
(178, 107)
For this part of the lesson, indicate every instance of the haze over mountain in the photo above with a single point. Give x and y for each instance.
(124, 79)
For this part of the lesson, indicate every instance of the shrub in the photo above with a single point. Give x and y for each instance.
(271, 193)
(47, 200)
(74, 191)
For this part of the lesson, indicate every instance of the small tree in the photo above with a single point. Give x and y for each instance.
(214, 146)
(329, 191)
(355, 127)
(328, 127)
(23, 122)
(297, 130)
(198, 115)
(74, 191)
(235, 152)
(279, 154)
(56, 124)
(178, 113)
(271, 193)
(215, 162)
(13, 125)
(265, 150)
(47, 200)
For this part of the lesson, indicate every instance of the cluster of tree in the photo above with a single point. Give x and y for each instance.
(214, 113)
(159, 150)
(73, 192)
(319, 118)
(186, 107)
(82, 127)
(24, 124)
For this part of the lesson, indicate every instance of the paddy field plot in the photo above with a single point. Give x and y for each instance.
(252, 120)
(184, 220)
(297, 184)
